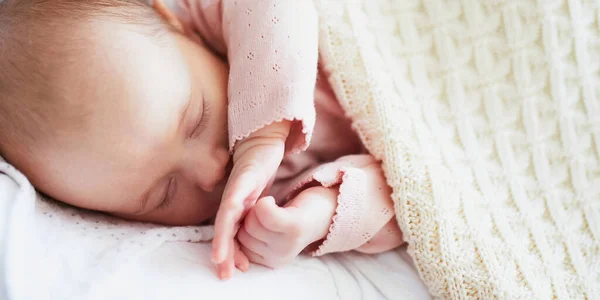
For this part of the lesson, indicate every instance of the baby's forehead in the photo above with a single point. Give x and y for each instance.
(98, 70)
(99, 74)
(120, 87)
(120, 64)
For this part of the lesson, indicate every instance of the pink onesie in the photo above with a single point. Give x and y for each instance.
(272, 50)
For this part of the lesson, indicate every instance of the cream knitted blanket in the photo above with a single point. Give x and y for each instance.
(486, 115)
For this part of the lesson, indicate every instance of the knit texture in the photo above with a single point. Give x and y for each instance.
(486, 116)
(271, 59)
(363, 204)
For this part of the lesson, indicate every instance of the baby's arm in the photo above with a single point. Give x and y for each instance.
(346, 207)
(272, 50)
(365, 218)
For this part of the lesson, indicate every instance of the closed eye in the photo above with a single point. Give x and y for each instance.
(203, 121)
(169, 193)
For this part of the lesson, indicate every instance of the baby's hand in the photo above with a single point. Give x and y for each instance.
(255, 162)
(273, 236)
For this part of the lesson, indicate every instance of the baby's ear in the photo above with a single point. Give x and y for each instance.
(161, 8)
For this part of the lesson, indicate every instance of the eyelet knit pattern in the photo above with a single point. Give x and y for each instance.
(486, 115)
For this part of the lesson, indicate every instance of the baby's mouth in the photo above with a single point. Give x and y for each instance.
(220, 187)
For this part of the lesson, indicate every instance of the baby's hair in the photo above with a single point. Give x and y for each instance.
(37, 39)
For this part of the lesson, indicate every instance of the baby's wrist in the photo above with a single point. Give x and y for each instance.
(322, 203)
(276, 130)
(272, 135)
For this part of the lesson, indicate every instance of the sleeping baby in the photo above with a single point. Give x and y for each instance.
(206, 111)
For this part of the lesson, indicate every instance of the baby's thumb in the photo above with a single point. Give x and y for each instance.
(266, 205)
(269, 213)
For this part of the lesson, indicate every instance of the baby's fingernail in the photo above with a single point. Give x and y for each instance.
(224, 275)
(217, 257)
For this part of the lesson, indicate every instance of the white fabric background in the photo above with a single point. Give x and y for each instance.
(52, 251)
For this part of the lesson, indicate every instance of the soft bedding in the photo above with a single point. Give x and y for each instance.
(486, 115)
(52, 251)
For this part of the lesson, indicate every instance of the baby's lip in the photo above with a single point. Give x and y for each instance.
(220, 187)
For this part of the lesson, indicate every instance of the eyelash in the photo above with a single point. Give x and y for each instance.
(170, 187)
(203, 119)
(168, 195)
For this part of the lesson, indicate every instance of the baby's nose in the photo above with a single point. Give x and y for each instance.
(217, 169)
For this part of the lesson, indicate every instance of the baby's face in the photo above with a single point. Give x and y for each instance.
(154, 144)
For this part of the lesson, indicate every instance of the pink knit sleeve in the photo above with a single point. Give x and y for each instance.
(272, 47)
(272, 50)
(364, 217)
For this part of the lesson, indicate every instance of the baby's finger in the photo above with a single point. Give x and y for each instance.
(240, 259)
(251, 243)
(225, 268)
(256, 230)
(223, 235)
(271, 216)
(267, 188)
(229, 214)
(254, 257)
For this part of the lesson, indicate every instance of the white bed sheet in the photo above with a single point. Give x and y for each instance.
(182, 271)
(51, 251)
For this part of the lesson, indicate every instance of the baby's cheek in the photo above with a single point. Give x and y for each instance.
(178, 213)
